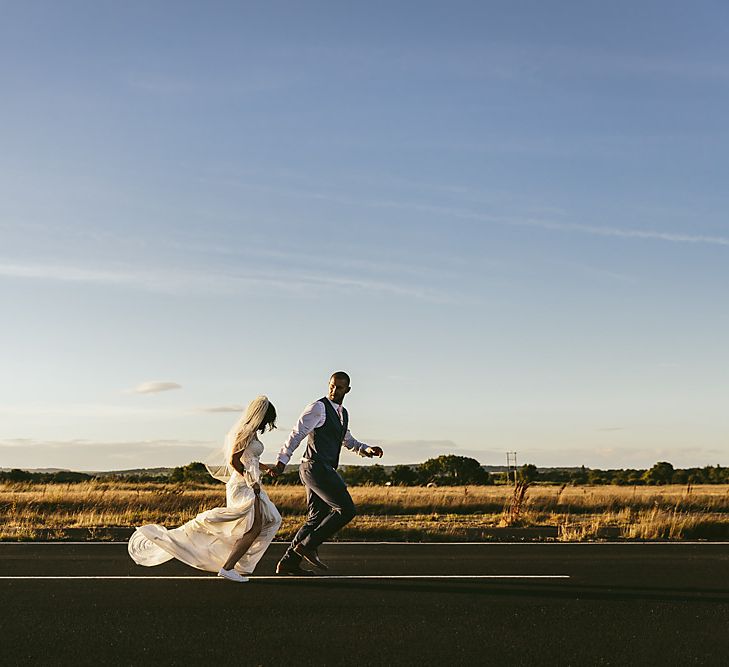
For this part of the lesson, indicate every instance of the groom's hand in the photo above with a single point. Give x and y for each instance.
(375, 451)
(277, 469)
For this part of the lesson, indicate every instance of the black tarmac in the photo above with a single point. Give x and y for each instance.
(380, 604)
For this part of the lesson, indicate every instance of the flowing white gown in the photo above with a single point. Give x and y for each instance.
(205, 542)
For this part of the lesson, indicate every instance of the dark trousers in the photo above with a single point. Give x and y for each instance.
(329, 504)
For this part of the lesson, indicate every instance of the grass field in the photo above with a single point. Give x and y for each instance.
(35, 511)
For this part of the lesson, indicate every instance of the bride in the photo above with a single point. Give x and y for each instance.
(230, 539)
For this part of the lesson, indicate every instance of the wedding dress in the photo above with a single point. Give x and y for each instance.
(206, 541)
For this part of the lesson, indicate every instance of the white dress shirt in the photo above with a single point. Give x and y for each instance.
(314, 416)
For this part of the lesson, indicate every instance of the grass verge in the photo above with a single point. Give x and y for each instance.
(102, 510)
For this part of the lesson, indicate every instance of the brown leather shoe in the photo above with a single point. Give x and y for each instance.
(293, 570)
(311, 556)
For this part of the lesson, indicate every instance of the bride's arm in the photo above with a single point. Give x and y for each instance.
(237, 464)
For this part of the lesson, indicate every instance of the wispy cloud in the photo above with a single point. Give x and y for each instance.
(672, 237)
(625, 457)
(174, 280)
(155, 387)
(88, 410)
(597, 273)
(540, 62)
(101, 456)
(44, 271)
(96, 410)
(513, 221)
(80, 442)
(645, 65)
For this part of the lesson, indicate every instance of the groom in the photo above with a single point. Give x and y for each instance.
(330, 507)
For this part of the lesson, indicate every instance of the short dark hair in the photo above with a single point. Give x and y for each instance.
(341, 375)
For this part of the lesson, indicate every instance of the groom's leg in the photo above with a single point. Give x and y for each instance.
(330, 488)
(317, 511)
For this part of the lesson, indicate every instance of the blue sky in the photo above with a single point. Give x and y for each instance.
(507, 221)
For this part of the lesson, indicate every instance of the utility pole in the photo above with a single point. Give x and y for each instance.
(511, 462)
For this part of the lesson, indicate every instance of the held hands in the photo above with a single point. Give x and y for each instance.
(268, 470)
(374, 451)
(275, 471)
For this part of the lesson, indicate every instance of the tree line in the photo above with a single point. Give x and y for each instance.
(446, 470)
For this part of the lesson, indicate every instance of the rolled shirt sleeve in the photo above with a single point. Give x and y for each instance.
(312, 417)
(355, 445)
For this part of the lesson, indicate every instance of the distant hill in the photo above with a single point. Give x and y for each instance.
(120, 473)
(504, 468)
(43, 470)
(132, 471)
(291, 466)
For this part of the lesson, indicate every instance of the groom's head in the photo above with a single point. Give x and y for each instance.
(338, 386)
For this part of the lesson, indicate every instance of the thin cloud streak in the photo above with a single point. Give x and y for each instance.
(465, 214)
(176, 281)
(638, 457)
(673, 237)
(155, 387)
(87, 455)
(90, 410)
(116, 444)
(626, 233)
(87, 410)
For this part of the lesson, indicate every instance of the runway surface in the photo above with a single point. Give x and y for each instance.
(379, 604)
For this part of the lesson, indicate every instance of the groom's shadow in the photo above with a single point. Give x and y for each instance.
(551, 590)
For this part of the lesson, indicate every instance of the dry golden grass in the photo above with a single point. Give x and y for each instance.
(30, 511)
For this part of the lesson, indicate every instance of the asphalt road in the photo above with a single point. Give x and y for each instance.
(501, 604)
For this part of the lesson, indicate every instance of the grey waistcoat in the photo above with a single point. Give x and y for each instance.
(325, 443)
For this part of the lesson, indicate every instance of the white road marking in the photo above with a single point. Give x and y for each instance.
(309, 578)
(424, 544)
